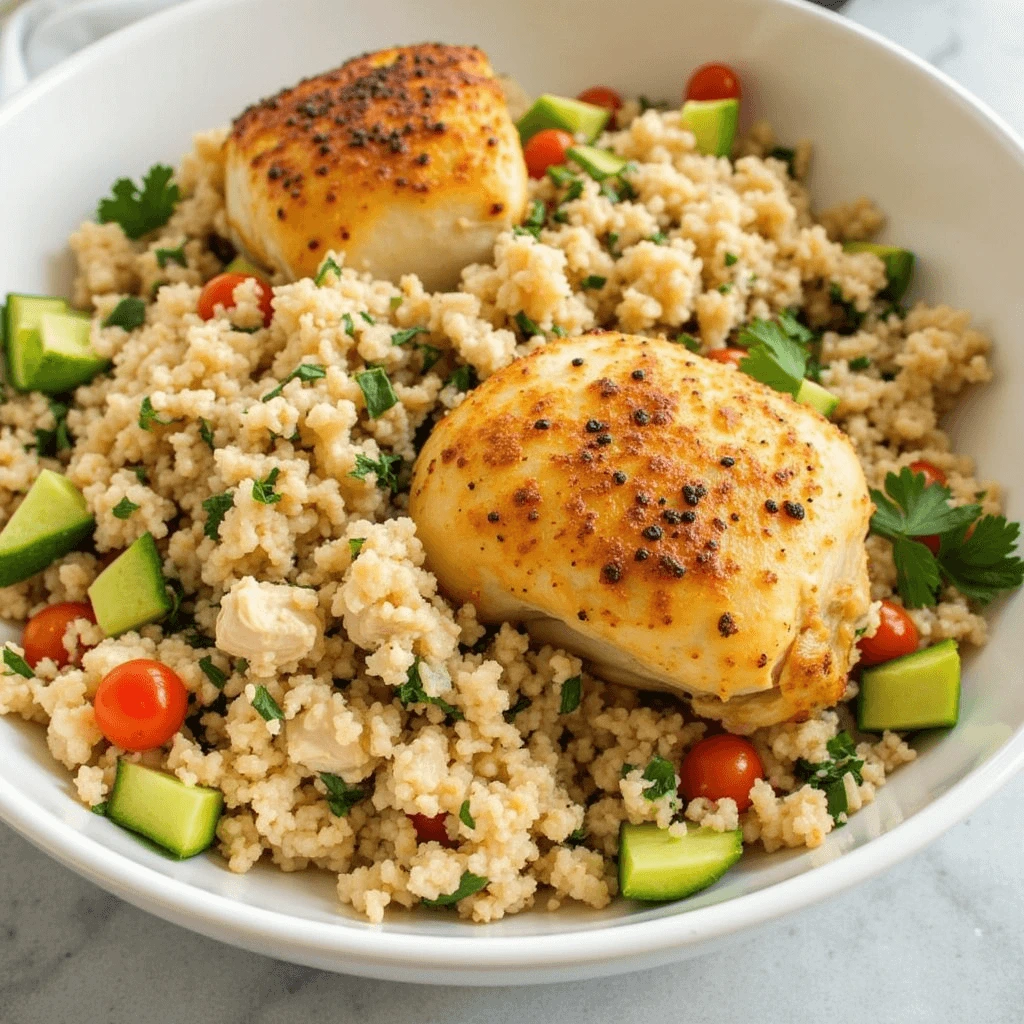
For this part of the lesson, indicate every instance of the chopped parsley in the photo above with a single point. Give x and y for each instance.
(176, 619)
(395, 301)
(128, 314)
(304, 372)
(860, 363)
(124, 508)
(377, 391)
(463, 378)
(412, 692)
(593, 281)
(165, 256)
(16, 663)
(777, 352)
(852, 317)
(469, 884)
(241, 666)
(263, 490)
(405, 336)
(267, 707)
(572, 691)
(828, 775)
(140, 211)
(350, 327)
(726, 287)
(465, 817)
(52, 442)
(100, 808)
(977, 554)
(206, 432)
(355, 545)
(341, 797)
(329, 266)
(366, 316)
(197, 641)
(561, 175)
(577, 837)
(216, 508)
(662, 776)
(521, 704)
(148, 416)
(140, 474)
(731, 259)
(384, 467)
(534, 219)
(526, 326)
(214, 674)
(786, 155)
(430, 355)
(692, 343)
(659, 238)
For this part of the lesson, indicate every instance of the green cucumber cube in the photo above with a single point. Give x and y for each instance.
(181, 819)
(61, 353)
(899, 266)
(817, 397)
(21, 334)
(51, 521)
(131, 591)
(573, 116)
(598, 163)
(713, 123)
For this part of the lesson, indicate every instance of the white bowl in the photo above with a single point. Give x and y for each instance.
(949, 173)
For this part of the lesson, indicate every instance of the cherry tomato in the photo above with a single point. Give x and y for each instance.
(140, 705)
(602, 96)
(44, 632)
(897, 635)
(728, 356)
(721, 766)
(431, 830)
(546, 149)
(220, 290)
(932, 474)
(714, 82)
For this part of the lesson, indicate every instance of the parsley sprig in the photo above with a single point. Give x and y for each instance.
(384, 468)
(468, 885)
(977, 554)
(777, 352)
(140, 211)
(828, 775)
(304, 372)
(412, 692)
(341, 797)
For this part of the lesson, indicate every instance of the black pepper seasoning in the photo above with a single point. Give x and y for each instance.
(642, 554)
(542, 425)
(641, 418)
(688, 516)
(492, 517)
(727, 625)
(771, 506)
(578, 361)
(672, 567)
(693, 493)
(604, 439)
(594, 426)
(727, 461)
(794, 509)
(670, 515)
(652, 532)
(612, 572)
(619, 477)
(638, 375)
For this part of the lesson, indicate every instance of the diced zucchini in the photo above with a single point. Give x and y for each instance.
(598, 163)
(182, 819)
(817, 397)
(51, 521)
(899, 266)
(131, 591)
(655, 865)
(713, 123)
(918, 691)
(573, 116)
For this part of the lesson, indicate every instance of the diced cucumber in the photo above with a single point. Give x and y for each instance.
(573, 116)
(899, 266)
(817, 397)
(598, 163)
(713, 123)
(61, 353)
(240, 265)
(918, 691)
(182, 819)
(21, 330)
(51, 521)
(655, 865)
(131, 591)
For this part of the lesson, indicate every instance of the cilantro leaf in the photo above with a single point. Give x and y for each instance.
(860, 363)
(462, 379)
(16, 663)
(265, 704)
(982, 562)
(405, 336)
(828, 775)
(52, 442)
(128, 314)
(572, 690)
(527, 327)
(917, 572)
(214, 674)
(355, 545)
(216, 508)
(366, 316)
(148, 416)
(124, 508)
(468, 885)
(350, 327)
(377, 391)
(521, 704)
(329, 266)
(140, 211)
(384, 467)
(731, 259)
(593, 281)
(100, 808)
(165, 256)
(692, 343)
(304, 372)
(917, 508)
(465, 817)
(206, 432)
(577, 837)
(341, 797)
(662, 774)
(263, 490)
(773, 357)
(412, 692)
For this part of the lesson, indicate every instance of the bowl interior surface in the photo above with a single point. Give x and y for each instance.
(951, 180)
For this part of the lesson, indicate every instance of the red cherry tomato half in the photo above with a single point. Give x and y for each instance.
(602, 96)
(714, 82)
(220, 291)
(728, 356)
(721, 766)
(932, 474)
(546, 149)
(140, 705)
(897, 635)
(431, 830)
(44, 632)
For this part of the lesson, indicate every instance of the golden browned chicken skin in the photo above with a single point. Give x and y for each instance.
(406, 160)
(673, 520)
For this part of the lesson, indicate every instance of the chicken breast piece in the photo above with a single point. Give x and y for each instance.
(671, 519)
(406, 160)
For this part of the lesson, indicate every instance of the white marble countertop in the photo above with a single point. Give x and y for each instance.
(939, 938)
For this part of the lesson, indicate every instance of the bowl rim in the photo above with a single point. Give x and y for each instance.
(362, 944)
